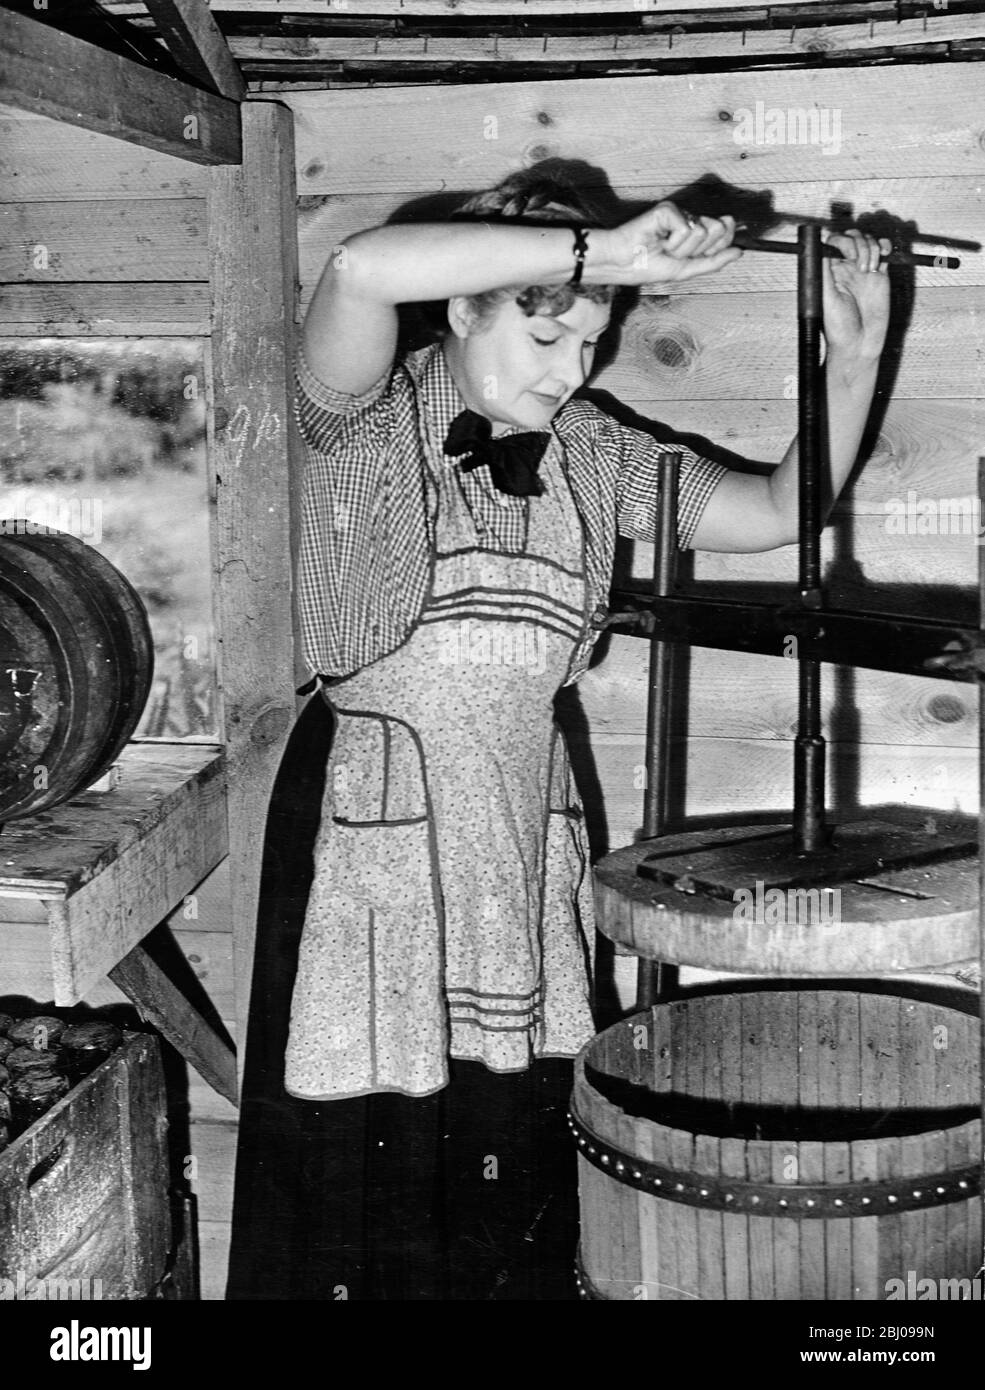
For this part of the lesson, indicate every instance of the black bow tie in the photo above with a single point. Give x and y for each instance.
(513, 460)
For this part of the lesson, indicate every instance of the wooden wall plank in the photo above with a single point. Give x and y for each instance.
(257, 458)
(207, 908)
(736, 776)
(213, 1254)
(44, 159)
(99, 310)
(897, 122)
(712, 346)
(52, 73)
(326, 220)
(744, 696)
(151, 239)
(930, 447)
(869, 568)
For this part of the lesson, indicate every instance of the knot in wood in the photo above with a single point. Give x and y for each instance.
(675, 349)
(946, 709)
(270, 725)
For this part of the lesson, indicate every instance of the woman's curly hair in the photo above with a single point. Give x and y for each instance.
(542, 193)
(569, 192)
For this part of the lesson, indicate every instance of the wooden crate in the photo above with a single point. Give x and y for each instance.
(84, 1190)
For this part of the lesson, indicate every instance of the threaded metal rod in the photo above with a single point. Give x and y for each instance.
(981, 834)
(809, 747)
(658, 980)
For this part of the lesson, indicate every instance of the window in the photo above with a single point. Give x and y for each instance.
(105, 439)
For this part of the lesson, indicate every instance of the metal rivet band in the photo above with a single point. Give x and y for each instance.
(799, 1200)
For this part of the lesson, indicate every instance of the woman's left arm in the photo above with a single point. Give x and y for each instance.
(747, 513)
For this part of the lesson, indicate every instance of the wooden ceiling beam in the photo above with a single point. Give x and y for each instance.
(462, 9)
(282, 54)
(198, 45)
(57, 75)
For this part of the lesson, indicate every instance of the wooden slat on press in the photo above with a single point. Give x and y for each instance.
(113, 239)
(670, 1253)
(713, 1012)
(686, 1222)
(917, 1086)
(593, 1233)
(935, 1147)
(839, 1089)
(781, 1087)
(946, 1057)
(711, 1245)
(955, 1085)
(810, 1155)
(629, 1270)
(966, 1148)
(735, 1227)
(873, 1011)
(649, 1211)
(685, 126)
(660, 1048)
(680, 1011)
(623, 1225)
(753, 1007)
(704, 1082)
(660, 1144)
(591, 1230)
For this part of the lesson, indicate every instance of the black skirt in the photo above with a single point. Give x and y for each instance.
(466, 1194)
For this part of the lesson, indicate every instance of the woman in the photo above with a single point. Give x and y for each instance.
(460, 517)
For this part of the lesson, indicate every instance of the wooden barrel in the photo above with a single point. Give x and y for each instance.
(779, 1144)
(76, 661)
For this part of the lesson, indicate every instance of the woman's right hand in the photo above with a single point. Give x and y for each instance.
(664, 244)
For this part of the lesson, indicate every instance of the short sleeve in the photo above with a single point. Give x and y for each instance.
(363, 552)
(322, 411)
(639, 470)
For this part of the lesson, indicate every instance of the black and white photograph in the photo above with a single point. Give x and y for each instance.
(492, 625)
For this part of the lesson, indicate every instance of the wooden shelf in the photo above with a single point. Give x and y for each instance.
(80, 886)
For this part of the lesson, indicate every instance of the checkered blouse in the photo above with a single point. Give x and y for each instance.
(369, 505)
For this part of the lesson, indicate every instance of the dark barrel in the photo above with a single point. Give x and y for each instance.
(76, 661)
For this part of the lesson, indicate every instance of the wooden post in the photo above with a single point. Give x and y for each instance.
(257, 454)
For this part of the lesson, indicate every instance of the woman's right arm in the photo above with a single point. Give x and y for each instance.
(350, 330)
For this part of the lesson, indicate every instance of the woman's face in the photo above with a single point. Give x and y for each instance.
(519, 370)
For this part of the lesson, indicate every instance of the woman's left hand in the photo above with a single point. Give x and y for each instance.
(856, 295)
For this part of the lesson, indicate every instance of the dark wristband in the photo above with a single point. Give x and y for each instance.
(581, 250)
